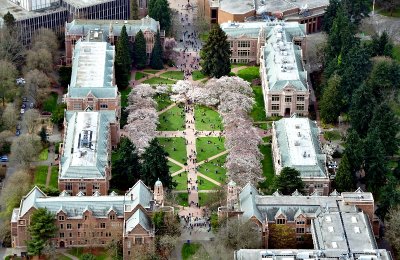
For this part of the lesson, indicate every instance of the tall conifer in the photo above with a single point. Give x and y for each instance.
(140, 50)
(157, 53)
(122, 60)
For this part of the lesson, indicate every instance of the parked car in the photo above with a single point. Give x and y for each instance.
(24, 99)
(23, 105)
(31, 105)
(4, 158)
(18, 133)
(22, 110)
(18, 126)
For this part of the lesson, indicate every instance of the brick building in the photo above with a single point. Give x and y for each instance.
(295, 144)
(325, 218)
(246, 39)
(111, 30)
(307, 12)
(284, 79)
(92, 220)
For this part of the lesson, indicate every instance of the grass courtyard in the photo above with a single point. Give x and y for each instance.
(250, 73)
(214, 168)
(163, 101)
(124, 97)
(44, 154)
(207, 119)
(189, 250)
(173, 167)
(50, 103)
(258, 111)
(197, 75)
(181, 180)
(175, 147)
(40, 176)
(209, 146)
(150, 71)
(176, 75)
(268, 169)
(204, 184)
(139, 75)
(157, 80)
(172, 120)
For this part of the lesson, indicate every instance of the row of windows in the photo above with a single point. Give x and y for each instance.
(80, 225)
(276, 107)
(81, 186)
(299, 98)
(240, 44)
(78, 106)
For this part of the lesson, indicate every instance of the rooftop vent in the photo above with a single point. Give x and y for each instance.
(330, 229)
(334, 245)
(357, 230)
(125, 22)
(353, 219)
(296, 143)
(328, 219)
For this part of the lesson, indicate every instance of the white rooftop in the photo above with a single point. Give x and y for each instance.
(91, 64)
(85, 139)
(301, 147)
(285, 64)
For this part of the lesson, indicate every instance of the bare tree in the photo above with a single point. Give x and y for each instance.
(46, 39)
(169, 49)
(31, 120)
(10, 117)
(393, 228)
(16, 186)
(11, 49)
(40, 59)
(8, 74)
(24, 150)
(240, 235)
(36, 85)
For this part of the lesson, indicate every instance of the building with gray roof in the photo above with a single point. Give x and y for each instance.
(246, 39)
(111, 30)
(284, 79)
(338, 224)
(91, 220)
(295, 144)
(30, 15)
(307, 12)
(86, 153)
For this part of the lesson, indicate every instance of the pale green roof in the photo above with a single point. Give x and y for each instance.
(138, 218)
(90, 161)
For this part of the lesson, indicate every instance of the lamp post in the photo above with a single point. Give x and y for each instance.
(373, 7)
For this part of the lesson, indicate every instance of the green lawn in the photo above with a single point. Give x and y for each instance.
(124, 96)
(204, 184)
(139, 75)
(51, 102)
(151, 71)
(267, 139)
(44, 154)
(183, 199)
(395, 14)
(163, 101)
(180, 148)
(177, 75)
(268, 169)
(204, 36)
(99, 253)
(231, 74)
(214, 168)
(197, 75)
(258, 111)
(207, 119)
(249, 73)
(181, 180)
(189, 249)
(209, 146)
(40, 174)
(264, 126)
(157, 80)
(236, 65)
(54, 177)
(203, 196)
(332, 135)
(173, 167)
(172, 119)
(396, 52)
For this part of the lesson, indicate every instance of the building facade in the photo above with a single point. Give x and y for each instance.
(309, 13)
(246, 39)
(93, 221)
(295, 144)
(111, 30)
(283, 77)
(323, 218)
(31, 15)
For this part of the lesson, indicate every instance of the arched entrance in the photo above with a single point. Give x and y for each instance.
(62, 244)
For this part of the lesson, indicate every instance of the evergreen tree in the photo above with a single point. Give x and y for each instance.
(155, 166)
(357, 9)
(157, 54)
(389, 197)
(375, 164)
(329, 15)
(386, 124)
(41, 229)
(140, 50)
(215, 54)
(125, 166)
(160, 11)
(122, 60)
(361, 110)
(383, 78)
(288, 181)
(381, 45)
(354, 150)
(331, 102)
(9, 20)
(134, 10)
(345, 179)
